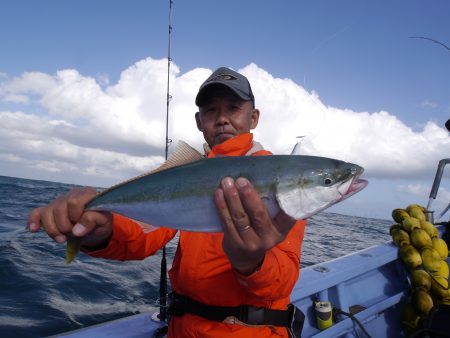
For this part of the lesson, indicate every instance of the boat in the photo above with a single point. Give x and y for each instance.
(370, 284)
(367, 289)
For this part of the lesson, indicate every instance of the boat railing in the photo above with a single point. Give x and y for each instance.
(435, 188)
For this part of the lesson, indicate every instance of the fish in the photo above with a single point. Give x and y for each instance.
(180, 196)
(180, 193)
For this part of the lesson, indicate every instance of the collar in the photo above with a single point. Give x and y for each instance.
(236, 146)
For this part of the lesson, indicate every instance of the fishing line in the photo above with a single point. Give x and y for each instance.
(312, 131)
(318, 129)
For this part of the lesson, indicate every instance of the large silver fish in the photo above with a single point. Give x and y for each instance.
(180, 194)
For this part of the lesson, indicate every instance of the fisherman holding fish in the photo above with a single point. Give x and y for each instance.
(236, 282)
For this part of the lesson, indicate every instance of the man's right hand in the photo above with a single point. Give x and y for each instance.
(65, 216)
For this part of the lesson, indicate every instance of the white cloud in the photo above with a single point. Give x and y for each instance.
(16, 98)
(421, 192)
(103, 79)
(418, 190)
(378, 141)
(429, 104)
(35, 82)
(119, 130)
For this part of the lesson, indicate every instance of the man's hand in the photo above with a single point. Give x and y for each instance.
(249, 232)
(65, 216)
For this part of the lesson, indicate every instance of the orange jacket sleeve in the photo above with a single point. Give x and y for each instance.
(276, 277)
(129, 242)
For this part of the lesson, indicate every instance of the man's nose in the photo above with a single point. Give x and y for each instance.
(222, 117)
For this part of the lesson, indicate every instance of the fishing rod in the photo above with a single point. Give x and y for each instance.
(162, 316)
(432, 40)
(169, 97)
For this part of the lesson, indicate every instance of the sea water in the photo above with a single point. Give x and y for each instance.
(40, 295)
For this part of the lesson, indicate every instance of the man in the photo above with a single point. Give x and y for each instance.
(255, 261)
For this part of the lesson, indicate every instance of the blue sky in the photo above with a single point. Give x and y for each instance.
(353, 53)
(353, 59)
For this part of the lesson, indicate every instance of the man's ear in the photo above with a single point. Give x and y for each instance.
(254, 118)
(198, 121)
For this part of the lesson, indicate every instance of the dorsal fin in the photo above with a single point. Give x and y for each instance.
(183, 154)
(296, 150)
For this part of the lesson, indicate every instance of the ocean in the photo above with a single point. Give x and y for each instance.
(40, 295)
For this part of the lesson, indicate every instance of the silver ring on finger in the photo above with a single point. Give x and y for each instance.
(244, 228)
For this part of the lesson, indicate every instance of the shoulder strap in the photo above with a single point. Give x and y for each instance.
(257, 150)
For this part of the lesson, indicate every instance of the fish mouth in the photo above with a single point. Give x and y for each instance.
(355, 185)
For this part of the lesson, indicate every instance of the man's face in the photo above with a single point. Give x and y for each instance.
(224, 115)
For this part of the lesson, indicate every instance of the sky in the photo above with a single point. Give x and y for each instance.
(83, 86)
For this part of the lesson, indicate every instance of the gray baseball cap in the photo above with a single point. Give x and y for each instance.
(223, 76)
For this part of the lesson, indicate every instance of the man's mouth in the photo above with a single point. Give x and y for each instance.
(223, 134)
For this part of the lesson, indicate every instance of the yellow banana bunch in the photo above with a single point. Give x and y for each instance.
(425, 254)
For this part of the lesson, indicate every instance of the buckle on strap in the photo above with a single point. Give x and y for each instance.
(177, 305)
(252, 315)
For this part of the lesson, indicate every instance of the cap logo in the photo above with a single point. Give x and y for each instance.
(223, 77)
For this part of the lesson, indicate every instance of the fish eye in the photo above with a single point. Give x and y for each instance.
(327, 181)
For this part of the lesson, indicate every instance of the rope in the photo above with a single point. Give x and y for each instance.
(353, 318)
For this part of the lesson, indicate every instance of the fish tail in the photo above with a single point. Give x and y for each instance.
(72, 248)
